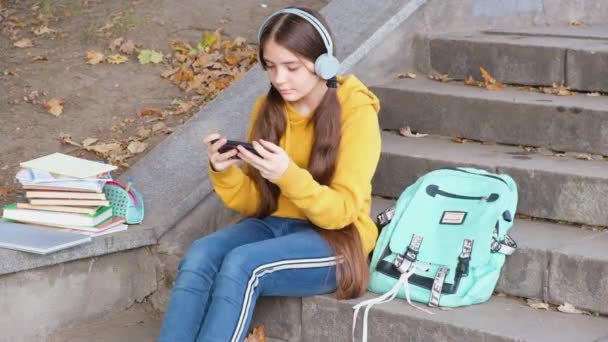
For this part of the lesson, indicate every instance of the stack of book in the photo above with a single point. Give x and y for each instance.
(61, 191)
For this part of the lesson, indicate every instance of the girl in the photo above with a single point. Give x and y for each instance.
(306, 197)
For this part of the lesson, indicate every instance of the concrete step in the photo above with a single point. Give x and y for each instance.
(501, 319)
(549, 187)
(532, 57)
(554, 263)
(510, 116)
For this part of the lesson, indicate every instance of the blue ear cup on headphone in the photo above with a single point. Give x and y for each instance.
(327, 66)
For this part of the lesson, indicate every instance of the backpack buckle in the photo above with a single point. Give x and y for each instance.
(404, 262)
(385, 217)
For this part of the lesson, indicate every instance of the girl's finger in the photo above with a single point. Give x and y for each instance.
(216, 145)
(209, 138)
(251, 158)
(261, 150)
(270, 146)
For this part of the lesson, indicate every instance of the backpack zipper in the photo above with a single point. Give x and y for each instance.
(433, 190)
(473, 173)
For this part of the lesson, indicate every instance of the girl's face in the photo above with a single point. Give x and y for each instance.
(292, 75)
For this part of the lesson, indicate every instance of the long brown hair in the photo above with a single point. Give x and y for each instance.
(301, 38)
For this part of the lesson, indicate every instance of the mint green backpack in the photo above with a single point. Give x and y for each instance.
(445, 241)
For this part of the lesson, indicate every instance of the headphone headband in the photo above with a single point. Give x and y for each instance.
(308, 17)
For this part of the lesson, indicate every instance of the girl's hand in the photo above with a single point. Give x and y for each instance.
(274, 161)
(219, 161)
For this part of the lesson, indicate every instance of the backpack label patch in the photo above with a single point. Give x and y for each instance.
(453, 217)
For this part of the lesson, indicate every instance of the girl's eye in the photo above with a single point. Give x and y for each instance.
(293, 69)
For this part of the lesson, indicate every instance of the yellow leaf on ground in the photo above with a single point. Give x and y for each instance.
(257, 335)
(116, 59)
(54, 106)
(150, 112)
(490, 82)
(94, 57)
(231, 59)
(23, 43)
(136, 147)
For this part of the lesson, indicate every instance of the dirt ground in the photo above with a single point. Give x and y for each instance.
(101, 101)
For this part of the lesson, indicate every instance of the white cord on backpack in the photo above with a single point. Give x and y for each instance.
(387, 297)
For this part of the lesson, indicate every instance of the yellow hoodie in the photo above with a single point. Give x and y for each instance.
(348, 198)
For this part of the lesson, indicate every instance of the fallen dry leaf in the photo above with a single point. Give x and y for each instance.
(105, 149)
(569, 308)
(67, 139)
(407, 132)
(584, 156)
(116, 59)
(54, 106)
(158, 127)
(459, 140)
(94, 57)
(116, 43)
(88, 142)
(594, 94)
(560, 90)
(576, 22)
(136, 147)
(490, 82)
(407, 75)
(536, 304)
(128, 47)
(150, 112)
(238, 41)
(23, 43)
(43, 30)
(257, 335)
(40, 58)
(440, 77)
(144, 133)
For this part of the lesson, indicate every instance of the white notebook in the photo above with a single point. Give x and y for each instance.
(39, 240)
(63, 164)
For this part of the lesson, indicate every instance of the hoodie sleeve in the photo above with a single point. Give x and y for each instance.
(234, 185)
(337, 205)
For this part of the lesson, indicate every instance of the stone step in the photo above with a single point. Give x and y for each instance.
(554, 263)
(549, 187)
(499, 320)
(537, 57)
(510, 116)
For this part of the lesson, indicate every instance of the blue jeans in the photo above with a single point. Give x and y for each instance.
(222, 274)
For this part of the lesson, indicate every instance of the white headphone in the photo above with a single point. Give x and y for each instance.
(326, 65)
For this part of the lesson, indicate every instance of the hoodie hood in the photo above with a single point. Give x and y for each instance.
(352, 93)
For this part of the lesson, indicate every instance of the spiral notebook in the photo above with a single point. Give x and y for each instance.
(39, 240)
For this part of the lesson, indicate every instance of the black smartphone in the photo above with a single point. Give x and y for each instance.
(232, 144)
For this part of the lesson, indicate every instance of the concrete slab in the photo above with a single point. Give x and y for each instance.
(509, 116)
(37, 302)
(530, 58)
(500, 319)
(549, 187)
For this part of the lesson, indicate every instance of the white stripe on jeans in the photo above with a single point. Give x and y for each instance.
(269, 268)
